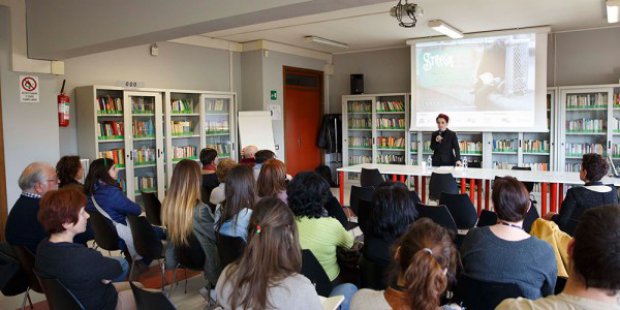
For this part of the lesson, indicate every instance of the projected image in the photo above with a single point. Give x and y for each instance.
(479, 81)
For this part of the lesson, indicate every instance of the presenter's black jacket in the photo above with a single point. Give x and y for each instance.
(446, 153)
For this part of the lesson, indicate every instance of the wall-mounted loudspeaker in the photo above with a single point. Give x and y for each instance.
(357, 84)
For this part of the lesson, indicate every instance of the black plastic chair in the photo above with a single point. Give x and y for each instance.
(190, 256)
(560, 283)
(147, 244)
(440, 215)
(106, 236)
(530, 217)
(462, 210)
(312, 269)
(58, 296)
(152, 208)
(487, 218)
(484, 295)
(371, 177)
(363, 216)
(150, 300)
(229, 248)
(372, 275)
(359, 193)
(26, 262)
(441, 183)
(528, 185)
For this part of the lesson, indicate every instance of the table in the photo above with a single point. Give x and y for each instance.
(552, 180)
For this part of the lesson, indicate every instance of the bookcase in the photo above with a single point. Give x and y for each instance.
(148, 131)
(375, 129)
(588, 124)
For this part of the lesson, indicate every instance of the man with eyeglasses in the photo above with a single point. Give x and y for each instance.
(22, 225)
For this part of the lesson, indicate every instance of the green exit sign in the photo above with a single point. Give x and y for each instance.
(274, 95)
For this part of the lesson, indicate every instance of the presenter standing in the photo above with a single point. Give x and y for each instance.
(445, 144)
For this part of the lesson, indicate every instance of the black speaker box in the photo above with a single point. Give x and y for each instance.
(357, 84)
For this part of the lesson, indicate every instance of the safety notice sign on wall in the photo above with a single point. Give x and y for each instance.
(29, 88)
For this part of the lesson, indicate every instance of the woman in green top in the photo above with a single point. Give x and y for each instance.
(307, 194)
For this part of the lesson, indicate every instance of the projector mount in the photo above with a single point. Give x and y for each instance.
(406, 10)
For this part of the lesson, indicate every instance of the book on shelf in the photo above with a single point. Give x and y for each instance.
(390, 159)
(110, 130)
(143, 129)
(359, 159)
(391, 123)
(360, 123)
(357, 107)
(217, 126)
(579, 149)
(414, 146)
(118, 155)
(144, 183)
(216, 105)
(181, 128)
(536, 146)
(221, 148)
(109, 105)
(504, 145)
(585, 101)
(145, 156)
(470, 147)
(360, 141)
(586, 125)
(141, 106)
(390, 106)
(391, 142)
(615, 150)
(572, 167)
(180, 152)
(183, 106)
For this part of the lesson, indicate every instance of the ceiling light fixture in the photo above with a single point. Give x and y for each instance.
(406, 9)
(613, 11)
(440, 26)
(324, 41)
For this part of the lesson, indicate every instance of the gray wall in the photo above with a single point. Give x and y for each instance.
(252, 80)
(385, 71)
(30, 130)
(178, 66)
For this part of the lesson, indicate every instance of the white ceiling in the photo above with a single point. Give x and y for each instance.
(371, 27)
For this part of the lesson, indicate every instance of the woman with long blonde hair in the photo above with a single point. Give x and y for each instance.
(183, 213)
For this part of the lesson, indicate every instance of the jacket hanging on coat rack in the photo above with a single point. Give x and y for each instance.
(330, 134)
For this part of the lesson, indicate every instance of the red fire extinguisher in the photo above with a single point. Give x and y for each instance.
(63, 107)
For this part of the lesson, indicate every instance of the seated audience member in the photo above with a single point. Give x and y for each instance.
(594, 281)
(272, 179)
(260, 158)
(579, 199)
(209, 176)
(22, 226)
(505, 252)
(233, 214)
(84, 271)
(218, 194)
(106, 197)
(267, 276)
(326, 173)
(321, 234)
(425, 258)
(183, 213)
(69, 170)
(391, 214)
(247, 155)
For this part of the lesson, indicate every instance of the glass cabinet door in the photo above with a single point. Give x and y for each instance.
(219, 130)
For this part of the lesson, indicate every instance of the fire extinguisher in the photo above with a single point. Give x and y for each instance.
(63, 107)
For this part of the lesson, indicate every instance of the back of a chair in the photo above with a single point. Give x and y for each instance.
(363, 216)
(312, 269)
(530, 217)
(461, 209)
(371, 177)
(26, 262)
(150, 300)
(440, 215)
(145, 240)
(152, 208)
(106, 236)
(484, 295)
(441, 183)
(372, 275)
(528, 185)
(191, 256)
(487, 218)
(229, 248)
(359, 193)
(58, 296)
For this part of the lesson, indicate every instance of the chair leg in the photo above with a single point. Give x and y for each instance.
(174, 281)
(185, 271)
(26, 296)
(162, 268)
(30, 301)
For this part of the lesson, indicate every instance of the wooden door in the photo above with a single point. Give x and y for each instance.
(303, 94)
